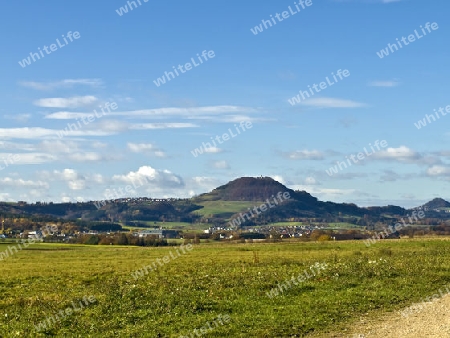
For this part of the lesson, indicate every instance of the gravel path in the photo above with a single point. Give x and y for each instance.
(432, 320)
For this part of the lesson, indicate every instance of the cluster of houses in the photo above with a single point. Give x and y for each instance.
(295, 231)
(161, 233)
(215, 229)
(118, 200)
(132, 200)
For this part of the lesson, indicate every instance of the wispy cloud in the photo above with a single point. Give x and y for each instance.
(10, 182)
(212, 150)
(144, 126)
(145, 148)
(212, 112)
(67, 83)
(328, 102)
(151, 177)
(70, 102)
(220, 165)
(65, 115)
(384, 83)
(31, 158)
(91, 157)
(18, 117)
(403, 154)
(370, 1)
(37, 132)
(439, 171)
(304, 155)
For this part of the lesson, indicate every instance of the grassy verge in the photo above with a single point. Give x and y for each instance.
(215, 279)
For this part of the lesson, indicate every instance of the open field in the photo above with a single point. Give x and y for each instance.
(342, 225)
(226, 208)
(285, 224)
(214, 279)
(171, 225)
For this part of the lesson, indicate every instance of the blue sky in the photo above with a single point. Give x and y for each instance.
(154, 130)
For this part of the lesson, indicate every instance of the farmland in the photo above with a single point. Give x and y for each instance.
(225, 208)
(212, 280)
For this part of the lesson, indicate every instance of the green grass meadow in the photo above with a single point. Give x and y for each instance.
(214, 279)
(226, 208)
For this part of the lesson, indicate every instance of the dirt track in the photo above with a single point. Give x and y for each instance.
(433, 320)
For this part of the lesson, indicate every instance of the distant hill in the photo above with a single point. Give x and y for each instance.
(436, 203)
(246, 189)
(300, 205)
(221, 204)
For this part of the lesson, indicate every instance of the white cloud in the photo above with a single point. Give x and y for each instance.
(401, 154)
(212, 150)
(17, 146)
(63, 83)
(202, 184)
(438, 171)
(218, 114)
(64, 115)
(149, 176)
(18, 117)
(147, 148)
(67, 174)
(86, 157)
(74, 180)
(29, 158)
(10, 182)
(228, 114)
(71, 102)
(110, 126)
(145, 126)
(4, 196)
(141, 147)
(384, 83)
(37, 132)
(58, 146)
(220, 165)
(305, 155)
(328, 102)
(77, 185)
(310, 181)
(279, 178)
(324, 194)
(187, 112)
